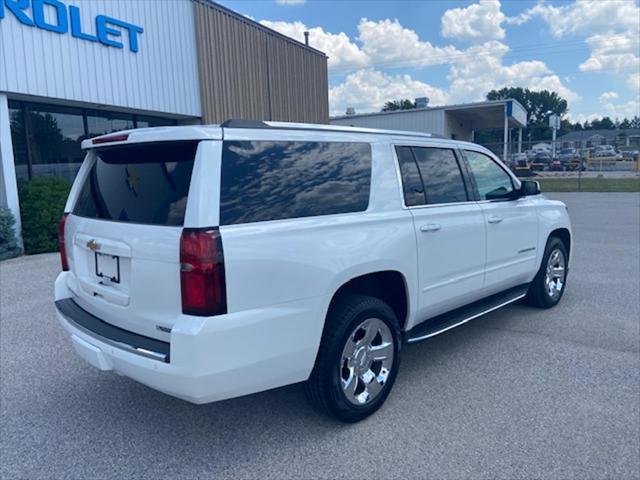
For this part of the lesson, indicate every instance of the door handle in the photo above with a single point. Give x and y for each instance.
(495, 219)
(430, 227)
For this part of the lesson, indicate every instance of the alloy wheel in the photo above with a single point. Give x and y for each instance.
(366, 361)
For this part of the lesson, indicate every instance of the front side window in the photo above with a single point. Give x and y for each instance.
(441, 175)
(492, 181)
(274, 180)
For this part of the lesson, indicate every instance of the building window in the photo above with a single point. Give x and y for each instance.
(55, 134)
(47, 138)
(143, 121)
(99, 123)
(19, 140)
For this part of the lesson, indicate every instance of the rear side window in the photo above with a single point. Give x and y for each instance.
(411, 181)
(264, 180)
(140, 183)
(430, 175)
(441, 175)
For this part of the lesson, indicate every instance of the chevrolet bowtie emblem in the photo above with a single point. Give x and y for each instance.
(93, 245)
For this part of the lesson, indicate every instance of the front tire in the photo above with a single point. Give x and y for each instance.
(548, 286)
(358, 359)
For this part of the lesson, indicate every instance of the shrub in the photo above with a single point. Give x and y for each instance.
(8, 242)
(41, 204)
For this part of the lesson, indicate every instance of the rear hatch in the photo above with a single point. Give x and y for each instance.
(122, 234)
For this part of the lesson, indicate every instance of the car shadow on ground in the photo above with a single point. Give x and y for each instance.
(134, 407)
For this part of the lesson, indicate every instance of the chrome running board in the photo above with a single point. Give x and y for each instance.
(462, 315)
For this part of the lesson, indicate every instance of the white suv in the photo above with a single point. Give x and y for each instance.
(209, 262)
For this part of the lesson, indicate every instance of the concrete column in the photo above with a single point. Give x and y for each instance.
(520, 140)
(8, 183)
(506, 135)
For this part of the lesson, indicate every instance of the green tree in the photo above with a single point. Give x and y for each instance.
(403, 104)
(605, 123)
(625, 124)
(635, 122)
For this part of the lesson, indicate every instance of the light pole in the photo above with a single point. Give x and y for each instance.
(554, 123)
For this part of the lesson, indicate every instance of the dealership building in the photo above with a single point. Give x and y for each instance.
(74, 69)
(459, 122)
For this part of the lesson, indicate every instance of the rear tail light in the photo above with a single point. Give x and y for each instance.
(202, 278)
(63, 250)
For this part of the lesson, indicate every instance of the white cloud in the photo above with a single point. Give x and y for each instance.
(608, 96)
(582, 117)
(482, 71)
(387, 42)
(622, 110)
(341, 50)
(613, 27)
(290, 2)
(367, 90)
(618, 54)
(584, 16)
(628, 109)
(478, 22)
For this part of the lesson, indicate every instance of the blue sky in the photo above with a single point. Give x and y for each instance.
(455, 51)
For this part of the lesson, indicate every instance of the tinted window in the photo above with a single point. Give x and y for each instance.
(441, 175)
(19, 140)
(144, 183)
(275, 180)
(55, 134)
(492, 181)
(100, 122)
(411, 181)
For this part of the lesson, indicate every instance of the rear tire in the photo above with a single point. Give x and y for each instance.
(358, 359)
(548, 286)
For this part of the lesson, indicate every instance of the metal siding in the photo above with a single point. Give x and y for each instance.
(249, 73)
(162, 76)
(429, 121)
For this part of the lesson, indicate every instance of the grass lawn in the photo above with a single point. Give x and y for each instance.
(589, 184)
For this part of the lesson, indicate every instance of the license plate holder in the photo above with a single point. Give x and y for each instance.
(108, 266)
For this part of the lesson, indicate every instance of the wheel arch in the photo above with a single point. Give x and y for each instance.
(390, 286)
(564, 235)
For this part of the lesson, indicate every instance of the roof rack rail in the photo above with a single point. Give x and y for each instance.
(241, 123)
(259, 124)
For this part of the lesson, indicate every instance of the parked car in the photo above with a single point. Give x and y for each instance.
(605, 151)
(541, 161)
(522, 168)
(209, 262)
(556, 166)
(567, 155)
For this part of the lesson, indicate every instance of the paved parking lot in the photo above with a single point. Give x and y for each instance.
(520, 393)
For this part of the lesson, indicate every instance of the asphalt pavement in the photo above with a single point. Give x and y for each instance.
(519, 393)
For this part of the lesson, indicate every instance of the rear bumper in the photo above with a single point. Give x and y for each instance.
(210, 359)
(110, 334)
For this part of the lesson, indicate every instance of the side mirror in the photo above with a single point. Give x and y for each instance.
(529, 187)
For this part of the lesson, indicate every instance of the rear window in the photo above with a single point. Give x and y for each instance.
(264, 180)
(141, 183)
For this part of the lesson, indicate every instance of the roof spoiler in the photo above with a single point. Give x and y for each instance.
(239, 123)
